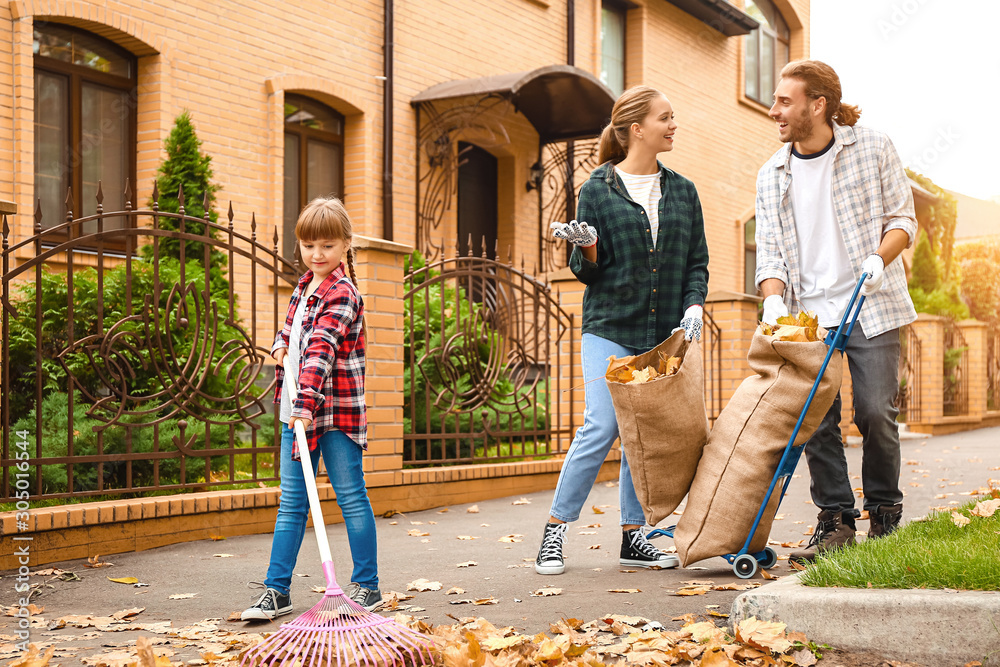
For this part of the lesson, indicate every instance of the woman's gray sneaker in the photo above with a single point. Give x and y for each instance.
(268, 606)
(369, 598)
(638, 552)
(550, 558)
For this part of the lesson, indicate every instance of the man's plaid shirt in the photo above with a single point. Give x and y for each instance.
(871, 195)
(332, 353)
(637, 292)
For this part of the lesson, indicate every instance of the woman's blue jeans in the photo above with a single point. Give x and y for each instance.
(342, 457)
(594, 439)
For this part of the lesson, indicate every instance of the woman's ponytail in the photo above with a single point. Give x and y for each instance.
(609, 148)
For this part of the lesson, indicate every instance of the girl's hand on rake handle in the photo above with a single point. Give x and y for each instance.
(305, 423)
(279, 356)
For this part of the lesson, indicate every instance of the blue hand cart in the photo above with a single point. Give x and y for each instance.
(746, 564)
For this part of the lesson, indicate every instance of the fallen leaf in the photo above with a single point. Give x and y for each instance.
(416, 523)
(474, 509)
(181, 596)
(31, 609)
(222, 555)
(511, 538)
(795, 565)
(960, 520)
(416, 532)
(803, 657)
(468, 563)
(234, 616)
(546, 592)
(389, 514)
(454, 590)
(597, 510)
(32, 658)
(986, 508)
(504, 643)
(128, 613)
(766, 635)
(124, 580)
(489, 600)
(443, 510)
(467, 537)
(594, 546)
(217, 538)
(624, 590)
(423, 585)
(96, 562)
(693, 590)
(521, 501)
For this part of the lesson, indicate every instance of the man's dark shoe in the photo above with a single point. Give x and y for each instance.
(831, 533)
(884, 519)
(271, 604)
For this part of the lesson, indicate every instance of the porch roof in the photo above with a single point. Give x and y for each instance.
(562, 102)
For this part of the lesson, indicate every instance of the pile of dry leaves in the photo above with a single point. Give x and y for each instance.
(624, 371)
(470, 642)
(801, 328)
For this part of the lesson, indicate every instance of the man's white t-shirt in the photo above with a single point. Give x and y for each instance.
(644, 189)
(827, 278)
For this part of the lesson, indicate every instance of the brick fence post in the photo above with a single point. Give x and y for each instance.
(736, 316)
(975, 334)
(379, 268)
(930, 330)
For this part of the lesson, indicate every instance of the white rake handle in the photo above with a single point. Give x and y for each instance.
(332, 588)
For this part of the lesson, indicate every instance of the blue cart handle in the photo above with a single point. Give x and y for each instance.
(836, 340)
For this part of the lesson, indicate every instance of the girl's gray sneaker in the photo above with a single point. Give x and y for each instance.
(271, 604)
(368, 598)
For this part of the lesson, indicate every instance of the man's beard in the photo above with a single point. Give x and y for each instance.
(802, 128)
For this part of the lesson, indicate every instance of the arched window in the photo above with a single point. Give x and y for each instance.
(85, 119)
(314, 159)
(766, 50)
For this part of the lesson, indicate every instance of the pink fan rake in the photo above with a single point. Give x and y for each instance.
(337, 631)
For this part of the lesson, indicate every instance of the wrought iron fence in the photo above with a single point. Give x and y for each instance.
(956, 379)
(908, 398)
(125, 365)
(993, 367)
(489, 360)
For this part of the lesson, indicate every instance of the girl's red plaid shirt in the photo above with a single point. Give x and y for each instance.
(332, 368)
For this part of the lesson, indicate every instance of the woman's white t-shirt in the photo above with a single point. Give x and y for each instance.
(644, 189)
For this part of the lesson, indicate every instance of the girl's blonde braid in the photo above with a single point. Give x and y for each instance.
(354, 279)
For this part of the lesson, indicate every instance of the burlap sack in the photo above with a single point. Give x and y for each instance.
(746, 445)
(663, 427)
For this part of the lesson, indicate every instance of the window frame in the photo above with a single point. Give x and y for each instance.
(622, 9)
(774, 37)
(303, 134)
(77, 75)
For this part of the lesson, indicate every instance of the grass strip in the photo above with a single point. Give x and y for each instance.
(933, 553)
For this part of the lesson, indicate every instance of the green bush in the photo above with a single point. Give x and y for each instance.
(944, 301)
(926, 273)
(132, 434)
(458, 375)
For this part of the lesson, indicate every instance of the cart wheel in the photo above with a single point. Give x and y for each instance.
(745, 566)
(770, 558)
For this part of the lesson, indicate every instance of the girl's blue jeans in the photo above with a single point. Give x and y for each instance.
(343, 464)
(594, 439)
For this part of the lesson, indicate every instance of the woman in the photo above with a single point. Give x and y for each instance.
(640, 250)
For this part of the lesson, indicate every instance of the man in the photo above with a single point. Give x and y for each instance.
(834, 203)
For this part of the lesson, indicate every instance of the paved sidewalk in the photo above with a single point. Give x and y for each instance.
(945, 466)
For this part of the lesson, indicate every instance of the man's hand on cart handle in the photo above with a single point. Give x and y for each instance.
(774, 307)
(691, 323)
(874, 266)
(578, 233)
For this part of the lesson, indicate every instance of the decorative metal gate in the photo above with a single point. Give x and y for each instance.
(908, 398)
(993, 367)
(956, 378)
(126, 367)
(489, 357)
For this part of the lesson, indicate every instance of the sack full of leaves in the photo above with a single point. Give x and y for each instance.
(659, 399)
(750, 435)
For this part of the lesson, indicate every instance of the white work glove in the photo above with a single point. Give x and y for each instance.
(874, 266)
(578, 233)
(774, 307)
(691, 323)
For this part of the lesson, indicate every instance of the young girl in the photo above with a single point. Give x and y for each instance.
(323, 345)
(640, 250)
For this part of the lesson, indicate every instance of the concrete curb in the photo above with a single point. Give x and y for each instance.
(932, 627)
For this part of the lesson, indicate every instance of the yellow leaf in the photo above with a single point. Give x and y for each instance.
(474, 509)
(513, 538)
(693, 590)
(986, 508)
(960, 520)
(597, 510)
(521, 501)
(717, 658)
(31, 658)
(124, 580)
(546, 592)
(766, 635)
(217, 538)
(416, 532)
(423, 585)
(624, 590)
